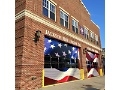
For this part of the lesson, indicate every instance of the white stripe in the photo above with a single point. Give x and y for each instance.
(95, 60)
(91, 54)
(87, 59)
(93, 71)
(58, 75)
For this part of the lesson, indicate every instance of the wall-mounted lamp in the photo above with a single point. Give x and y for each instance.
(37, 36)
(84, 50)
(102, 56)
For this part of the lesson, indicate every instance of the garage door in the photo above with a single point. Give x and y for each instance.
(92, 64)
(60, 62)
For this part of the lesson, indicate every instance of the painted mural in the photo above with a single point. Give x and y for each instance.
(60, 62)
(92, 64)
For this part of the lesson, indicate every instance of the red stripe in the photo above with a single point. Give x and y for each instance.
(89, 57)
(67, 78)
(48, 81)
(91, 75)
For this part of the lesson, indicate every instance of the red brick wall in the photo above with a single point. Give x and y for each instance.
(19, 38)
(19, 5)
(78, 11)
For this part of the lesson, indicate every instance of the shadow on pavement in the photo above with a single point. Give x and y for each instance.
(89, 87)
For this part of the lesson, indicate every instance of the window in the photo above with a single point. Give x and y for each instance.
(92, 36)
(86, 33)
(63, 19)
(95, 64)
(75, 26)
(49, 9)
(47, 61)
(54, 62)
(89, 64)
(74, 63)
(96, 39)
(60, 62)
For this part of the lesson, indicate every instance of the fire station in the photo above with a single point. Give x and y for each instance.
(55, 42)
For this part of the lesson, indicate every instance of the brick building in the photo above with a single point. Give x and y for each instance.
(55, 41)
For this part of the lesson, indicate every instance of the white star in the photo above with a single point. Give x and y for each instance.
(57, 54)
(75, 51)
(72, 57)
(64, 54)
(49, 41)
(45, 49)
(69, 51)
(52, 46)
(65, 45)
(59, 45)
(73, 48)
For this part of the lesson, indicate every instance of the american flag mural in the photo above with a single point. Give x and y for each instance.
(61, 62)
(92, 64)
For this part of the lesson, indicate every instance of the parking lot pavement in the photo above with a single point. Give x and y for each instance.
(94, 83)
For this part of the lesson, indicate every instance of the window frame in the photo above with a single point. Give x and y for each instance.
(75, 25)
(92, 36)
(48, 8)
(86, 33)
(96, 39)
(64, 18)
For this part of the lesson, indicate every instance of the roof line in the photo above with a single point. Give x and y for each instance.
(88, 12)
(85, 7)
(96, 24)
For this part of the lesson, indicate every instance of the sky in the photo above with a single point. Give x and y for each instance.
(96, 9)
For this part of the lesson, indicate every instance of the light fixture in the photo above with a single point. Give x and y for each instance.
(102, 56)
(37, 36)
(84, 50)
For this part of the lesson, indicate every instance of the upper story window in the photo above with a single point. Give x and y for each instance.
(86, 33)
(75, 26)
(49, 9)
(96, 39)
(63, 19)
(92, 36)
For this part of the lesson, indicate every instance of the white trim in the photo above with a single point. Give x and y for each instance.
(20, 14)
(84, 6)
(64, 17)
(86, 27)
(75, 18)
(53, 2)
(96, 37)
(64, 10)
(54, 26)
(88, 12)
(96, 24)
